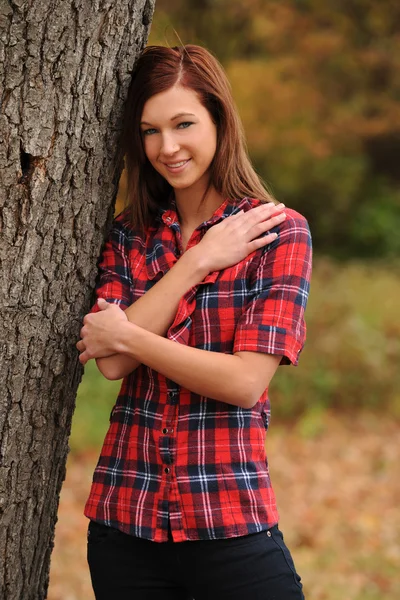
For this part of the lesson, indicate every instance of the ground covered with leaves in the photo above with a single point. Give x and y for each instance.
(338, 487)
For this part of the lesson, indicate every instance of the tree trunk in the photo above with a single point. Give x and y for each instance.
(65, 68)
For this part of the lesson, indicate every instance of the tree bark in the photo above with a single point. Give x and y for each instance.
(64, 70)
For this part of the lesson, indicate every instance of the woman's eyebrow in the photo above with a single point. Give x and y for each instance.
(178, 116)
(183, 114)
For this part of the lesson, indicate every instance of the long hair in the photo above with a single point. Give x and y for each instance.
(231, 173)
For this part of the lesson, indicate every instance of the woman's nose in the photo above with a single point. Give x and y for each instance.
(169, 145)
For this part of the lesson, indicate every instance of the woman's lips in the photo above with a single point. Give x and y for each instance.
(177, 166)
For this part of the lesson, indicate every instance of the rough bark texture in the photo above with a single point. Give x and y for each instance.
(64, 70)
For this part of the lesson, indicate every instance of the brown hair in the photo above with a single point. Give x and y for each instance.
(231, 173)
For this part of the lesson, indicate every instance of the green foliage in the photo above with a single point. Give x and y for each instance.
(352, 353)
(350, 360)
(95, 399)
(318, 90)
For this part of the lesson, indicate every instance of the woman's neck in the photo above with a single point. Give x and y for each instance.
(193, 210)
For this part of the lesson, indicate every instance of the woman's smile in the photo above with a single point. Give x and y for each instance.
(177, 167)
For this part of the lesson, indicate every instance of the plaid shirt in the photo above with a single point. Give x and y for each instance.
(173, 455)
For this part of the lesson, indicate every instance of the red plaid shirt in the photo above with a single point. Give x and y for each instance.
(170, 454)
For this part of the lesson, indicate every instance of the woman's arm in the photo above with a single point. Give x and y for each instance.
(156, 310)
(222, 246)
(238, 379)
(272, 327)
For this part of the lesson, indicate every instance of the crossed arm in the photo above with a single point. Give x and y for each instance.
(155, 311)
(119, 341)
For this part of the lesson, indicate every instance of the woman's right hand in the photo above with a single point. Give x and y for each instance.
(229, 242)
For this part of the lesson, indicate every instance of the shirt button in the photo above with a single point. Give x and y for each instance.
(268, 533)
(167, 470)
(165, 430)
(172, 397)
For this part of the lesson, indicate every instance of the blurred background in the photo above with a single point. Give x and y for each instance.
(317, 85)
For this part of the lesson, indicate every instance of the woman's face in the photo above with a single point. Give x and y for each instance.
(179, 137)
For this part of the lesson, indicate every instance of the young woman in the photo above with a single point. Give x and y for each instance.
(202, 290)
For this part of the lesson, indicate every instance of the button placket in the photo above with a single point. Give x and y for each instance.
(167, 429)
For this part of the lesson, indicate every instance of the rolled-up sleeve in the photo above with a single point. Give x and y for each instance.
(114, 280)
(273, 321)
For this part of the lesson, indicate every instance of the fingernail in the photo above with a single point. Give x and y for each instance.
(281, 205)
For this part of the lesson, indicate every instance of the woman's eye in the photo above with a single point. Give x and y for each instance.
(149, 131)
(185, 125)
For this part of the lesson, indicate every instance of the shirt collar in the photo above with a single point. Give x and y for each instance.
(161, 244)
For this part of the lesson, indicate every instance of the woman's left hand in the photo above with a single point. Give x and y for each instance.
(99, 334)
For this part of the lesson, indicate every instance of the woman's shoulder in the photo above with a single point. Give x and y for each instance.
(294, 238)
(123, 229)
(123, 221)
(294, 223)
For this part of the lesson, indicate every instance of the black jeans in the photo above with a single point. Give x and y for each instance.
(255, 567)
